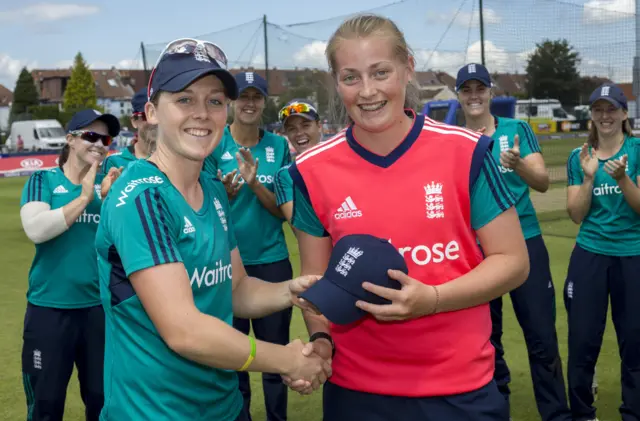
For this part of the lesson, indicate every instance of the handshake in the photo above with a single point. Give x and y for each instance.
(311, 366)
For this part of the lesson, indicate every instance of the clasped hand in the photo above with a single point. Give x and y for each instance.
(313, 366)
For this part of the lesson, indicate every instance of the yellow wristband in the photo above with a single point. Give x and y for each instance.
(252, 355)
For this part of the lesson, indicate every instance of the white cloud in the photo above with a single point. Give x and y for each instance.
(63, 64)
(257, 61)
(10, 69)
(466, 19)
(312, 55)
(48, 12)
(496, 59)
(604, 11)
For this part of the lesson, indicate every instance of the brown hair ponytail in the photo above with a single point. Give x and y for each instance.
(64, 155)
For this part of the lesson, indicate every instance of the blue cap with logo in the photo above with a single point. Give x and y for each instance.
(611, 93)
(176, 71)
(83, 118)
(246, 80)
(298, 107)
(139, 100)
(473, 71)
(355, 259)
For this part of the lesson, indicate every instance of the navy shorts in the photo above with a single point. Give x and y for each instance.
(484, 404)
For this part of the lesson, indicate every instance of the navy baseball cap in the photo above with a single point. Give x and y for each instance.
(355, 259)
(473, 71)
(138, 101)
(83, 118)
(247, 80)
(177, 70)
(299, 107)
(611, 93)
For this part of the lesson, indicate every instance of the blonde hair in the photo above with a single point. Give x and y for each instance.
(593, 138)
(364, 26)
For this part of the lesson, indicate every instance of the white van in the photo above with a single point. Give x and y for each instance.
(37, 135)
(550, 109)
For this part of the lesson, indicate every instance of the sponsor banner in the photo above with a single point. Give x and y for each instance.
(17, 166)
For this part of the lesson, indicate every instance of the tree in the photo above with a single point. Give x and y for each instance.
(25, 95)
(552, 72)
(81, 89)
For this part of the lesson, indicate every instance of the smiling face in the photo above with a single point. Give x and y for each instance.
(85, 152)
(302, 133)
(191, 122)
(249, 106)
(474, 98)
(607, 118)
(371, 81)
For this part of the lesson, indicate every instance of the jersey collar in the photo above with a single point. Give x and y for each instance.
(393, 156)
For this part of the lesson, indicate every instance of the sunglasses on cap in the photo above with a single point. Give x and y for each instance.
(296, 108)
(139, 116)
(200, 49)
(93, 137)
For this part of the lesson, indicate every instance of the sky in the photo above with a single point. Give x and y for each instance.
(443, 34)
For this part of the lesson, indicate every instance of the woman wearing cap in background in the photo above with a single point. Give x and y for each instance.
(64, 321)
(603, 197)
(144, 142)
(521, 163)
(247, 160)
(431, 189)
(171, 277)
(301, 124)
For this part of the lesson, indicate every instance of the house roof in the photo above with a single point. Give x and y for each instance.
(627, 88)
(109, 82)
(6, 96)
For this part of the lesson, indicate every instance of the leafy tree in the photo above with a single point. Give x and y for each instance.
(552, 72)
(81, 89)
(25, 95)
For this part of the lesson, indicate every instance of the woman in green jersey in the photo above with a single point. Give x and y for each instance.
(171, 275)
(521, 163)
(604, 198)
(301, 124)
(247, 159)
(64, 321)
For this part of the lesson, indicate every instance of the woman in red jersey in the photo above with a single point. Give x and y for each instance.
(431, 189)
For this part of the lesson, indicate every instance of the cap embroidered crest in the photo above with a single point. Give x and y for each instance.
(605, 91)
(472, 68)
(249, 77)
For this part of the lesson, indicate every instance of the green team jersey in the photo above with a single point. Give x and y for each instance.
(506, 130)
(64, 273)
(611, 226)
(489, 199)
(146, 222)
(120, 159)
(259, 234)
(284, 186)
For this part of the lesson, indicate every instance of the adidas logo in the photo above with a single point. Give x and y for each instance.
(188, 226)
(60, 190)
(226, 156)
(348, 210)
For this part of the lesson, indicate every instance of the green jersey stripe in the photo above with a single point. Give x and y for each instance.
(158, 219)
(501, 193)
(531, 139)
(147, 230)
(570, 175)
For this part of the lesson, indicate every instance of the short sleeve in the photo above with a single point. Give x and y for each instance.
(142, 231)
(575, 177)
(284, 186)
(528, 140)
(490, 195)
(36, 189)
(304, 217)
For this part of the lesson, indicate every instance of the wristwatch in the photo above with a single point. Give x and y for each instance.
(324, 335)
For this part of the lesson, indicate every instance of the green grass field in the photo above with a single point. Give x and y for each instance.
(556, 151)
(16, 253)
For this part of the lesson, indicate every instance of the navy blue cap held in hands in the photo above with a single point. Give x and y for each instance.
(355, 259)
